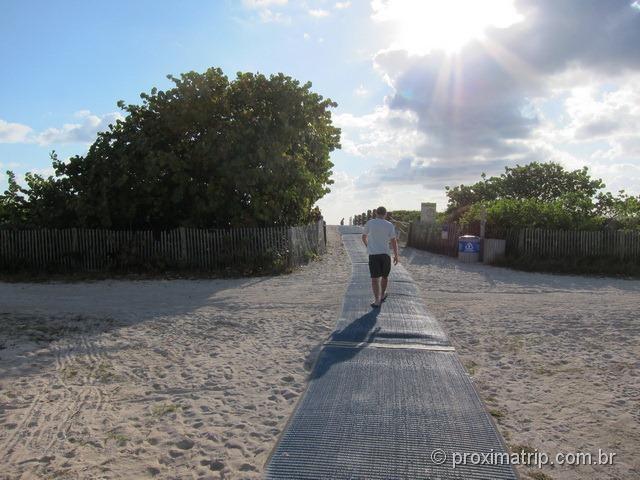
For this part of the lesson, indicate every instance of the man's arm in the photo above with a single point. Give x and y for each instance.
(394, 245)
(364, 239)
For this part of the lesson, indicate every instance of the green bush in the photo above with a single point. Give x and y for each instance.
(405, 215)
(542, 195)
(567, 213)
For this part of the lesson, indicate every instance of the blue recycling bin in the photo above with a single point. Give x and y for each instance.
(469, 248)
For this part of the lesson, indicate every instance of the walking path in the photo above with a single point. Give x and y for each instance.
(388, 396)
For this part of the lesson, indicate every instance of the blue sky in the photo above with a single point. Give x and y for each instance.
(67, 63)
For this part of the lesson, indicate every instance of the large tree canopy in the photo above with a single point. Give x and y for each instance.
(207, 152)
(542, 195)
(538, 181)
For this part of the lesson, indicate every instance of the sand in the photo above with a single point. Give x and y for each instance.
(158, 379)
(197, 378)
(555, 358)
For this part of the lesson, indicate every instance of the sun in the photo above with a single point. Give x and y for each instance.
(421, 26)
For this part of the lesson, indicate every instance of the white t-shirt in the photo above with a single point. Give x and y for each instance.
(379, 233)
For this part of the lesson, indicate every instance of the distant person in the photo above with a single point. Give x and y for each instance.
(342, 222)
(378, 232)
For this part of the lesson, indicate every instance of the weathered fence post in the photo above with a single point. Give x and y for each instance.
(520, 242)
(290, 247)
(324, 232)
(74, 248)
(183, 245)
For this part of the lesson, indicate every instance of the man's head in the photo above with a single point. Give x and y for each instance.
(381, 212)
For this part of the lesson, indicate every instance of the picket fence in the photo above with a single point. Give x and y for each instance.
(537, 243)
(574, 243)
(91, 250)
(429, 237)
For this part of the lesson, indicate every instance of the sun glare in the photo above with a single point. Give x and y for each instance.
(421, 26)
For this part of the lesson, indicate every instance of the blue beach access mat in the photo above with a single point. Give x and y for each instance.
(388, 397)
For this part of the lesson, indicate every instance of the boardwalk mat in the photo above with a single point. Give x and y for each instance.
(355, 248)
(349, 230)
(378, 328)
(402, 318)
(396, 287)
(360, 273)
(379, 414)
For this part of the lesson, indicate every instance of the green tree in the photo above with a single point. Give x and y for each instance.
(207, 152)
(405, 215)
(622, 212)
(541, 181)
(571, 212)
(12, 204)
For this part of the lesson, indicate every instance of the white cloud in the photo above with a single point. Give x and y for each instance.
(269, 16)
(553, 86)
(10, 165)
(427, 25)
(383, 136)
(306, 36)
(83, 132)
(361, 91)
(14, 132)
(597, 114)
(342, 5)
(266, 13)
(319, 13)
(257, 4)
(603, 115)
(352, 195)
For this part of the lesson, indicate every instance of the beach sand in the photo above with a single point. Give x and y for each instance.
(197, 378)
(556, 359)
(158, 379)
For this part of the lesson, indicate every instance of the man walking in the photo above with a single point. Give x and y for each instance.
(377, 234)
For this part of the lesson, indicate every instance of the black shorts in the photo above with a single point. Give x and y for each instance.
(379, 265)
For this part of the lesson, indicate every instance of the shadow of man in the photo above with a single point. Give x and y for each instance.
(360, 330)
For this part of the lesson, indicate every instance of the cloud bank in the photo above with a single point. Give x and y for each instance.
(544, 88)
(83, 131)
(13, 132)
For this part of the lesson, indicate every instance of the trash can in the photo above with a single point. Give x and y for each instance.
(469, 248)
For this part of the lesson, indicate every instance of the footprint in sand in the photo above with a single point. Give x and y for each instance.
(214, 465)
(247, 467)
(288, 394)
(153, 471)
(185, 444)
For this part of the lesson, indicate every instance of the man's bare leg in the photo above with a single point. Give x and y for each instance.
(375, 285)
(383, 287)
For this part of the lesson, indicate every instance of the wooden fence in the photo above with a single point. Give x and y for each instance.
(536, 242)
(568, 243)
(429, 237)
(88, 250)
(402, 229)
